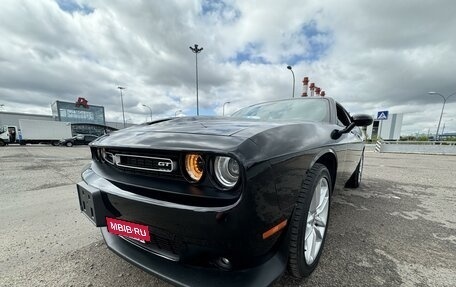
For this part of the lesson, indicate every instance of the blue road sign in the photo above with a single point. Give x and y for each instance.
(382, 115)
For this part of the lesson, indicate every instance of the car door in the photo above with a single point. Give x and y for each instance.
(353, 141)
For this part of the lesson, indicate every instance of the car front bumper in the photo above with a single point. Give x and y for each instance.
(183, 275)
(206, 233)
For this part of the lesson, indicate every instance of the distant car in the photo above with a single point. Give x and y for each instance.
(80, 139)
(224, 201)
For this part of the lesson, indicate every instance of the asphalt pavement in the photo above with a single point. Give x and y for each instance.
(397, 229)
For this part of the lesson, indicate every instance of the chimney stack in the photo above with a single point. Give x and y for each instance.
(305, 84)
(312, 87)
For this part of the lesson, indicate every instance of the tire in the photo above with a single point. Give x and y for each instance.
(55, 143)
(355, 180)
(69, 144)
(2, 143)
(309, 222)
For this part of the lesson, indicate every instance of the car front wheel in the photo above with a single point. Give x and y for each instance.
(69, 144)
(309, 222)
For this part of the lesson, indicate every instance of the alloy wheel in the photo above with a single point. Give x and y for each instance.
(317, 219)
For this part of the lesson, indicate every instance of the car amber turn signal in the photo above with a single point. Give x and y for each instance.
(275, 229)
(194, 165)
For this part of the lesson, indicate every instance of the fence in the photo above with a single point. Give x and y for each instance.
(421, 147)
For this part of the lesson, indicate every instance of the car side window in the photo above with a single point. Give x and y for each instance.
(343, 119)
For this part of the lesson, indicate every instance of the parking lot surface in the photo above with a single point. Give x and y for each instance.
(397, 229)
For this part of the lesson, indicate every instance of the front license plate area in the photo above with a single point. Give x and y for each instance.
(128, 229)
(91, 204)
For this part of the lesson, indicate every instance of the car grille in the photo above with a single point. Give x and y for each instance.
(145, 163)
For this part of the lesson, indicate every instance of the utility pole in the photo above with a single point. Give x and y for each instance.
(121, 100)
(441, 113)
(196, 50)
(291, 69)
(149, 109)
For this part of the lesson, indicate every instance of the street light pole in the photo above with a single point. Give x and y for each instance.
(196, 50)
(290, 68)
(121, 100)
(224, 107)
(443, 107)
(150, 110)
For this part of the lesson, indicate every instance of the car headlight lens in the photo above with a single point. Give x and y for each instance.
(226, 171)
(194, 165)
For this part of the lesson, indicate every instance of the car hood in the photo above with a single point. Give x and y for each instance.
(220, 126)
(188, 132)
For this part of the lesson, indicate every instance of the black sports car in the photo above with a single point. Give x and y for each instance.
(224, 201)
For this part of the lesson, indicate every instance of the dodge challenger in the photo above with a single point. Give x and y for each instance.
(224, 201)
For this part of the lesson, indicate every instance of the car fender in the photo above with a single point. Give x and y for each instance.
(319, 157)
(288, 184)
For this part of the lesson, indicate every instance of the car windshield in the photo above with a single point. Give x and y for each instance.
(315, 110)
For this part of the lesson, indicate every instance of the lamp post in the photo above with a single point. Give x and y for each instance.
(224, 107)
(121, 100)
(443, 107)
(150, 109)
(196, 50)
(290, 68)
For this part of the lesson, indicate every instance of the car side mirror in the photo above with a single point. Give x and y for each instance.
(362, 120)
(358, 121)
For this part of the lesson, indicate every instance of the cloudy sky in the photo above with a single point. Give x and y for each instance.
(368, 55)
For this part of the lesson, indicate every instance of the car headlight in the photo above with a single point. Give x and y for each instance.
(194, 165)
(226, 171)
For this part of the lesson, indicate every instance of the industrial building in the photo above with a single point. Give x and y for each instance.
(84, 118)
(387, 127)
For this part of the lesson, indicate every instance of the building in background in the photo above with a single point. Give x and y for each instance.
(84, 118)
(386, 129)
(78, 112)
(12, 119)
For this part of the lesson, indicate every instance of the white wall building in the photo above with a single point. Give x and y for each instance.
(389, 129)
